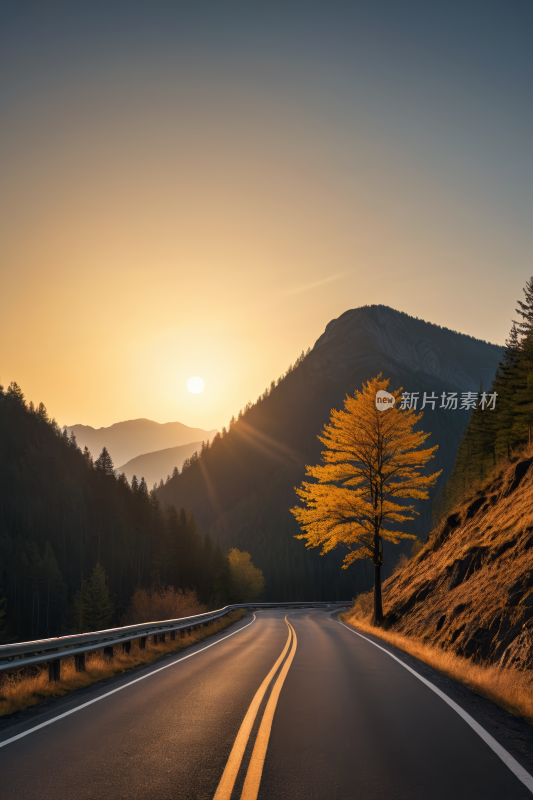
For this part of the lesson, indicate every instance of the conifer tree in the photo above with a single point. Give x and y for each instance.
(525, 310)
(101, 607)
(42, 413)
(87, 456)
(15, 393)
(93, 606)
(104, 463)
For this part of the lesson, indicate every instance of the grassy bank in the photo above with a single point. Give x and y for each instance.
(19, 691)
(509, 688)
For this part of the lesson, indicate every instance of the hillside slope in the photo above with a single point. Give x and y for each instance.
(242, 487)
(126, 440)
(154, 467)
(470, 590)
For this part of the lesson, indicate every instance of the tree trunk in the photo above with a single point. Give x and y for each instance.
(377, 619)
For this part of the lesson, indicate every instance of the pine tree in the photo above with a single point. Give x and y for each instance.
(525, 310)
(42, 413)
(15, 393)
(88, 457)
(100, 601)
(104, 463)
(93, 607)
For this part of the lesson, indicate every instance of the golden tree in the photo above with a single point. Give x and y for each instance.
(372, 458)
(247, 581)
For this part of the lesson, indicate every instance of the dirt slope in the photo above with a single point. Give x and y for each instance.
(470, 590)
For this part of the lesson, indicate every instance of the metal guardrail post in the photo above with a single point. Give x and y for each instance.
(54, 670)
(126, 647)
(142, 643)
(108, 652)
(162, 637)
(79, 661)
(172, 636)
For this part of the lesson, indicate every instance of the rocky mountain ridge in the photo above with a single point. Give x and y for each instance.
(401, 343)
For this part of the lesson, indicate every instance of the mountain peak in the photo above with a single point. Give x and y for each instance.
(398, 343)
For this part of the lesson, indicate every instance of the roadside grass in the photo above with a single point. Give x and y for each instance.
(20, 690)
(509, 688)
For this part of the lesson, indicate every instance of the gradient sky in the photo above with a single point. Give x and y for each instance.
(199, 188)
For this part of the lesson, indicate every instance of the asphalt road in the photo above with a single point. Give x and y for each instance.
(336, 719)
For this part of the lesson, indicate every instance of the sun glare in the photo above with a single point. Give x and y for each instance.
(195, 385)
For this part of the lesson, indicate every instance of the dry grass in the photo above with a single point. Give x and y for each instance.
(509, 688)
(492, 541)
(161, 602)
(19, 691)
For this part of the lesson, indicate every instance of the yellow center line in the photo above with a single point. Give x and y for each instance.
(225, 787)
(255, 768)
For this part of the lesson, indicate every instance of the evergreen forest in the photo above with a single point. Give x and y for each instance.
(495, 434)
(68, 524)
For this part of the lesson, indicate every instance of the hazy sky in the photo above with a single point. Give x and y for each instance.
(199, 188)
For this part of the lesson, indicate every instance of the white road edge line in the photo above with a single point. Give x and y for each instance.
(119, 688)
(510, 762)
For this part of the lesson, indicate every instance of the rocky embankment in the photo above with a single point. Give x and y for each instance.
(470, 590)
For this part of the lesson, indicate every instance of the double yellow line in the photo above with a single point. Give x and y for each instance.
(255, 768)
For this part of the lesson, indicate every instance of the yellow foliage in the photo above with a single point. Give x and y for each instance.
(372, 459)
(161, 602)
(247, 581)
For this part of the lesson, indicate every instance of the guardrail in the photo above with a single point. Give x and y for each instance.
(24, 654)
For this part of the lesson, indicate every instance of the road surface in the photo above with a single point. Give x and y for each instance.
(277, 707)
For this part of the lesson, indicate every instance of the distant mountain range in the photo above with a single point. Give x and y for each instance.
(242, 487)
(126, 440)
(156, 466)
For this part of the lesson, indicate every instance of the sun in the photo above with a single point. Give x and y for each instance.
(195, 385)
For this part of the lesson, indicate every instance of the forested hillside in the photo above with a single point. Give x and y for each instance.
(494, 436)
(61, 514)
(241, 486)
(156, 467)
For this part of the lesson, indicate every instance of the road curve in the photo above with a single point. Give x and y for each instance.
(297, 708)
